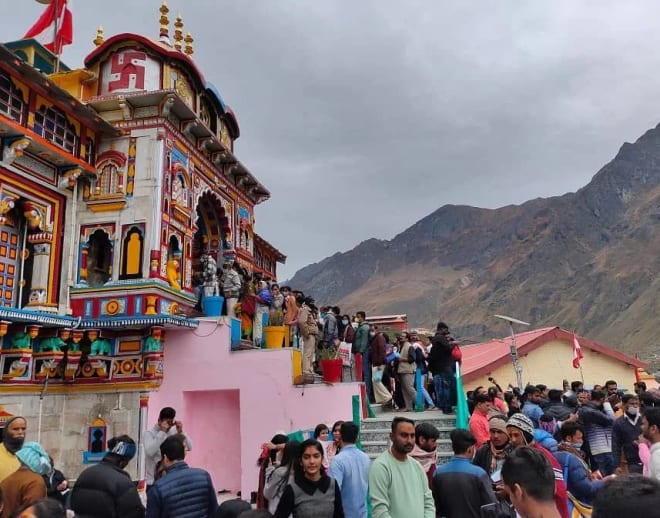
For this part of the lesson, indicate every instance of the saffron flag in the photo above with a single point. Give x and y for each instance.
(54, 28)
(462, 412)
(577, 352)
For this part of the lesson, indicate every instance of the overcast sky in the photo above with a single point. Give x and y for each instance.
(362, 117)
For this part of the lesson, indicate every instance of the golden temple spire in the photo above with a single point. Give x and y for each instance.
(178, 32)
(164, 23)
(189, 44)
(99, 36)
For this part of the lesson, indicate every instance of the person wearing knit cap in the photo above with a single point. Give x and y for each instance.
(12, 441)
(26, 485)
(521, 432)
(105, 490)
(490, 456)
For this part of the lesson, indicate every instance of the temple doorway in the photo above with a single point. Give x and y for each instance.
(16, 258)
(213, 234)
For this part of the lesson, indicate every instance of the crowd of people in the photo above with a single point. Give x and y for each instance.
(533, 452)
(386, 364)
(517, 472)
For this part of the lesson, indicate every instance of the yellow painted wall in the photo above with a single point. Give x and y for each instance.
(80, 83)
(551, 363)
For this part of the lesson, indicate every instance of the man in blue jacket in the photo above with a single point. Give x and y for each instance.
(460, 488)
(183, 491)
(577, 474)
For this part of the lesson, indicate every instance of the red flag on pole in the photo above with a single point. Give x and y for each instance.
(577, 352)
(54, 28)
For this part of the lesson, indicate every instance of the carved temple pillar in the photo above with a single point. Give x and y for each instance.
(41, 246)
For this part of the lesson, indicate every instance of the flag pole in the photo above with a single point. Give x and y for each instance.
(55, 46)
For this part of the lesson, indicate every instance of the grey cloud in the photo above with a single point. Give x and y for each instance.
(362, 117)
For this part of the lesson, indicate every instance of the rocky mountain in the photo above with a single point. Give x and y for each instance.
(588, 261)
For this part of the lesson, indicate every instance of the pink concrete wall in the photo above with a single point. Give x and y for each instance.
(219, 427)
(201, 362)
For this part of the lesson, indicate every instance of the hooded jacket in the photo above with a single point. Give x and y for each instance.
(106, 491)
(440, 359)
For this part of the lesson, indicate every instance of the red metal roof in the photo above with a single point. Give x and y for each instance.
(483, 358)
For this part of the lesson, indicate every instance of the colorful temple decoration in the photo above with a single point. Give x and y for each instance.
(116, 181)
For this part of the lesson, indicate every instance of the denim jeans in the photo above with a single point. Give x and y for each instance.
(366, 375)
(442, 384)
(604, 463)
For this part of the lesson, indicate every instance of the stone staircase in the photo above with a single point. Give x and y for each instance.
(375, 431)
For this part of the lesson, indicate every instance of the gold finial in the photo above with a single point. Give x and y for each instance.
(99, 36)
(164, 23)
(178, 32)
(189, 44)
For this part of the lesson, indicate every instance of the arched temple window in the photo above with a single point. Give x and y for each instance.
(99, 259)
(108, 179)
(131, 254)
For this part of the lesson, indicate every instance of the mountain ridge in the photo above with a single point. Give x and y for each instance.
(584, 260)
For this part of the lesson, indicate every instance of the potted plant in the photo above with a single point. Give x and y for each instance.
(331, 364)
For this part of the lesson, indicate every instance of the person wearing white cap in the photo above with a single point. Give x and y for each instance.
(26, 485)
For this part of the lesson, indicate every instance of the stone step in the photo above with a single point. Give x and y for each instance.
(384, 433)
(443, 457)
(374, 449)
(384, 420)
(381, 445)
(375, 431)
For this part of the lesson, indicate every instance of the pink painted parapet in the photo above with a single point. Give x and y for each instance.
(231, 402)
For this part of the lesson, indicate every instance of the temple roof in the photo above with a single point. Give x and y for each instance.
(262, 243)
(10, 61)
(170, 54)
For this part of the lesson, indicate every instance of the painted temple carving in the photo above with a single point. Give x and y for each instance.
(120, 193)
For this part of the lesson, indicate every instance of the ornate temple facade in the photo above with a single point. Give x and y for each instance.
(116, 180)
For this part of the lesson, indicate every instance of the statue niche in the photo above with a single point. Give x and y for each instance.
(99, 259)
(174, 264)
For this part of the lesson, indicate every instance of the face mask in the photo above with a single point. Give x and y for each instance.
(13, 444)
(633, 410)
(345, 322)
(577, 445)
(372, 333)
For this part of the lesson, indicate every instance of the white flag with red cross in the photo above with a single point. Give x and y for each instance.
(54, 28)
(577, 352)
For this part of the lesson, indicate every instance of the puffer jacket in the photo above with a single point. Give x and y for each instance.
(106, 491)
(576, 475)
(184, 492)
